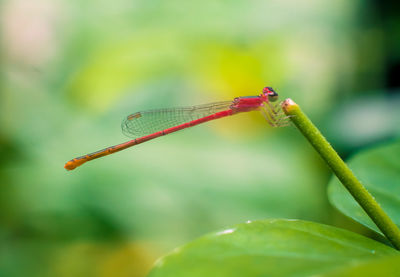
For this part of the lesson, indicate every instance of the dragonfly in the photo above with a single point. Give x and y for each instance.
(148, 125)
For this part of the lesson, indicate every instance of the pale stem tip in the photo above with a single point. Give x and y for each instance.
(287, 104)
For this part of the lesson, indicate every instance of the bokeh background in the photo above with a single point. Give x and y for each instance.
(70, 71)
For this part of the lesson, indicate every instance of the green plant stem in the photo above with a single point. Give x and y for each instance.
(343, 172)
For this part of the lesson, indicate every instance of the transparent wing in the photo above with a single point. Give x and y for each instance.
(148, 122)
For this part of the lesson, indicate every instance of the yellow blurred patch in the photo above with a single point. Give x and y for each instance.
(238, 69)
(117, 259)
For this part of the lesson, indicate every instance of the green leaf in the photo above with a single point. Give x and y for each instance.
(387, 266)
(271, 248)
(379, 171)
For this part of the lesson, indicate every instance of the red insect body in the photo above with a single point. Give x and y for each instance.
(208, 112)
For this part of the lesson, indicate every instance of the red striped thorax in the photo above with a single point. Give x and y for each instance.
(250, 103)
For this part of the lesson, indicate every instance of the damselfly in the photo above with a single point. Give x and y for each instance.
(147, 125)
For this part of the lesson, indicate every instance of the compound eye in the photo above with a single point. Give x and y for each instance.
(273, 97)
(270, 93)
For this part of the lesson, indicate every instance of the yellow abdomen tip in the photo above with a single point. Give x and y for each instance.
(74, 163)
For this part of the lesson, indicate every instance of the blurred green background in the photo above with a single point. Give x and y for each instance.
(71, 70)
